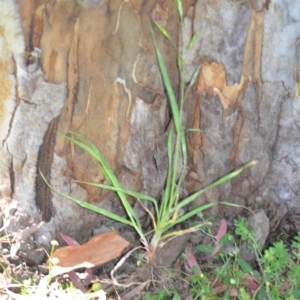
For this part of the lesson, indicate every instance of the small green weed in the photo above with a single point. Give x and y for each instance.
(201, 288)
(161, 294)
(278, 276)
(281, 271)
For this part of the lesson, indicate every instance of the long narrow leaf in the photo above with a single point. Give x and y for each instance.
(174, 194)
(166, 195)
(192, 41)
(192, 130)
(180, 63)
(167, 83)
(199, 209)
(192, 262)
(92, 207)
(179, 7)
(184, 160)
(184, 231)
(94, 152)
(192, 213)
(193, 80)
(221, 232)
(225, 178)
(125, 191)
(163, 31)
(152, 217)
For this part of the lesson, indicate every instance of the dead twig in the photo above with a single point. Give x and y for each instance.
(22, 236)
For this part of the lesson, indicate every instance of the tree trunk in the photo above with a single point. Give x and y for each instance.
(90, 67)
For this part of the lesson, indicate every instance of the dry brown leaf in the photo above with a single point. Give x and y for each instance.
(98, 250)
(220, 287)
(223, 287)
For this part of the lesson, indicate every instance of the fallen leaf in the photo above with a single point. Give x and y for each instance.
(251, 283)
(192, 262)
(220, 287)
(221, 231)
(98, 250)
(77, 282)
(70, 241)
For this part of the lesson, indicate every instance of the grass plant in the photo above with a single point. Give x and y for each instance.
(278, 275)
(167, 211)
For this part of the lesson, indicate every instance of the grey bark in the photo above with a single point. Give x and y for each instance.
(63, 69)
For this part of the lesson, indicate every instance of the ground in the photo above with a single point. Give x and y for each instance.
(171, 271)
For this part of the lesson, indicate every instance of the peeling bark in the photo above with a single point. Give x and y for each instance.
(90, 67)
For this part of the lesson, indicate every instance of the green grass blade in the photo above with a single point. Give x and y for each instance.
(179, 61)
(179, 7)
(225, 178)
(167, 83)
(193, 130)
(193, 212)
(94, 152)
(196, 210)
(91, 207)
(173, 187)
(163, 31)
(125, 191)
(192, 41)
(193, 80)
(235, 205)
(184, 231)
(184, 160)
(166, 195)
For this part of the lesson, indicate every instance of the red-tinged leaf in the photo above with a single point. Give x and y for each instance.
(221, 231)
(251, 283)
(68, 239)
(219, 288)
(89, 277)
(82, 280)
(98, 250)
(191, 260)
(76, 281)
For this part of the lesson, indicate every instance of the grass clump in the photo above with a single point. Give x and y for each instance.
(169, 210)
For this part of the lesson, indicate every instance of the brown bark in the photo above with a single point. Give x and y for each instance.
(96, 74)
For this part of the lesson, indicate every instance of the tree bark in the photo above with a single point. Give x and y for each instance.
(90, 67)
